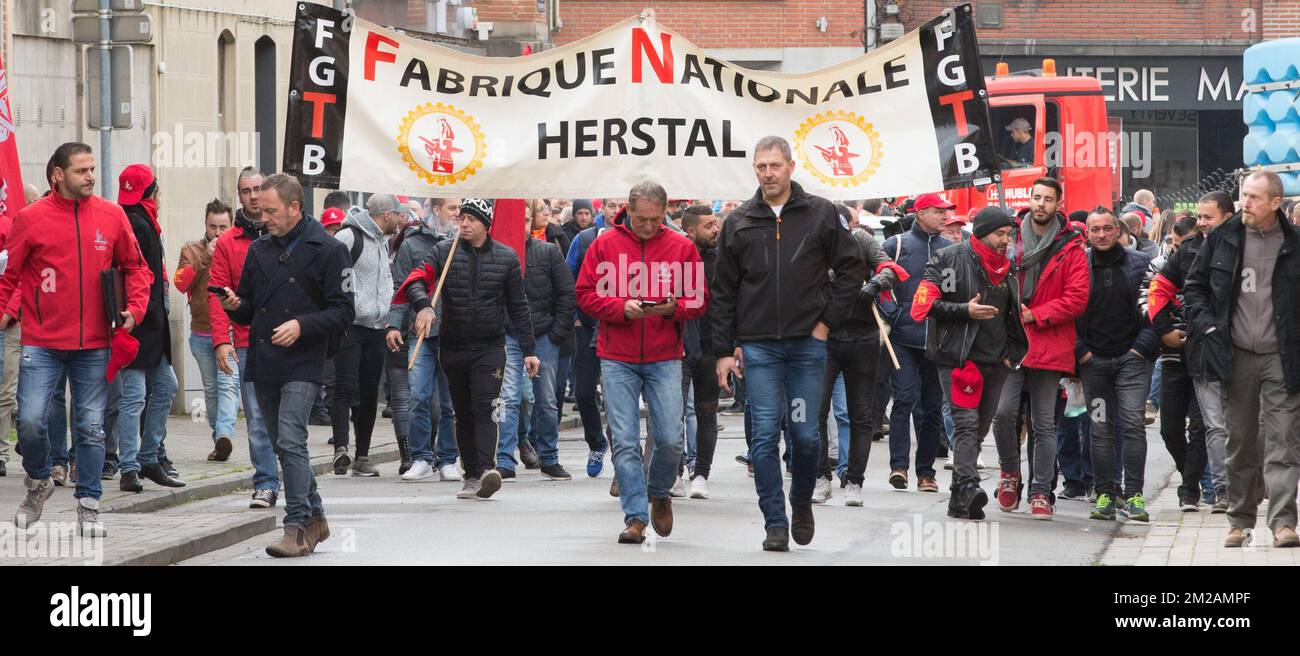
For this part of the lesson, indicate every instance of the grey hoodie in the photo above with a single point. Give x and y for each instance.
(372, 279)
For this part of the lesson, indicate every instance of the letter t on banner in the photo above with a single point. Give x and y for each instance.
(508, 226)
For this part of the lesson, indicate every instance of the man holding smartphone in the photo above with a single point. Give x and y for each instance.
(641, 311)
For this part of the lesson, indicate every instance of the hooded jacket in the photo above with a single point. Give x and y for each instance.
(227, 266)
(620, 266)
(416, 244)
(57, 249)
(1060, 297)
(372, 275)
(773, 274)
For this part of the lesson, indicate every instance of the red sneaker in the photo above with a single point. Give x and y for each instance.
(1040, 507)
(1009, 492)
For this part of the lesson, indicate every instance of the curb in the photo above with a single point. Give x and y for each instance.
(222, 485)
(189, 546)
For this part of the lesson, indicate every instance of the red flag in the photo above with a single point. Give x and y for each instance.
(12, 195)
(425, 273)
(510, 226)
(1163, 292)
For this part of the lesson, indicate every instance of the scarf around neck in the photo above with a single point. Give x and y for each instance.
(995, 264)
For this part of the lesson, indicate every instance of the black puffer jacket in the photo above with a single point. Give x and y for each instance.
(1211, 294)
(550, 291)
(482, 285)
(153, 333)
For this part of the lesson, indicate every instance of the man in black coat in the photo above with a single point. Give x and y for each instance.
(149, 377)
(293, 297)
(483, 285)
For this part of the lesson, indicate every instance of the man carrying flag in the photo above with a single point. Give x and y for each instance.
(975, 336)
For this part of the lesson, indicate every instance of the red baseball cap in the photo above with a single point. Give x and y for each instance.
(955, 219)
(926, 201)
(132, 183)
(331, 216)
(967, 386)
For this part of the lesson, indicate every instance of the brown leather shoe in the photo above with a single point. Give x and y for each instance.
(1236, 538)
(1285, 538)
(221, 449)
(926, 484)
(633, 534)
(292, 544)
(661, 516)
(318, 530)
(898, 479)
(613, 488)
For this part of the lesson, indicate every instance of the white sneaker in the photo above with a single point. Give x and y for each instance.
(853, 495)
(979, 462)
(699, 488)
(448, 472)
(822, 492)
(419, 471)
(948, 465)
(678, 490)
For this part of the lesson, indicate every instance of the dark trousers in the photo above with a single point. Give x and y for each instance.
(857, 360)
(916, 388)
(357, 369)
(1073, 445)
(474, 379)
(702, 371)
(586, 372)
(880, 400)
(1181, 426)
(1120, 383)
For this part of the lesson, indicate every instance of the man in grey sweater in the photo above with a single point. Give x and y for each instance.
(359, 363)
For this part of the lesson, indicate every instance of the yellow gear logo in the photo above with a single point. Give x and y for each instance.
(839, 137)
(428, 141)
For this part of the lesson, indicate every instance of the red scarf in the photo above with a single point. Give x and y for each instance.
(996, 265)
(150, 206)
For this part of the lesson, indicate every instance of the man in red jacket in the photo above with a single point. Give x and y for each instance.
(230, 340)
(1053, 278)
(642, 282)
(58, 247)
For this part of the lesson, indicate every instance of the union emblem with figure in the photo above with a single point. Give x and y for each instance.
(441, 143)
(839, 148)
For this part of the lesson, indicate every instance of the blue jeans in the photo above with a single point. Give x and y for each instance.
(38, 375)
(776, 370)
(1074, 446)
(159, 386)
(545, 418)
(1157, 376)
(624, 385)
(287, 408)
(840, 409)
(220, 389)
(429, 396)
(58, 422)
(915, 386)
(260, 446)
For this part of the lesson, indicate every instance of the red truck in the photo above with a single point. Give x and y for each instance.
(1072, 141)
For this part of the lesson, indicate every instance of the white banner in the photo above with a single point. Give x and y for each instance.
(374, 110)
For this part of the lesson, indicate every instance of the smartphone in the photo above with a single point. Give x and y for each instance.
(219, 291)
(650, 304)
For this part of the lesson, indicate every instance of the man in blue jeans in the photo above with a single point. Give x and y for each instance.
(641, 310)
(551, 301)
(774, 304)
(297, 265)
(915, 384)
(58, 248)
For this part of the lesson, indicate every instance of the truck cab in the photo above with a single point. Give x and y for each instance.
(1069, 137)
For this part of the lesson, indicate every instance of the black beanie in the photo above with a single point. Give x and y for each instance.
(583, 204)
(479, 208)
(988, 220)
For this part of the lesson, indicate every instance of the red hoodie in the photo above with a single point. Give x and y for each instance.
(619, 266)
(57, 249)
(227, 265)
(1060, 297)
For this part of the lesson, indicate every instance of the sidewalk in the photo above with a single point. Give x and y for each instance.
(1191, 538)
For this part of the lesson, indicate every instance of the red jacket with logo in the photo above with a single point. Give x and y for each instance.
(1061, 295)
(57, 249)
(620, 266)
(227, 264)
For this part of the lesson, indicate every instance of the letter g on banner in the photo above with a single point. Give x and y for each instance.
(954, 83)
(318, 96)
